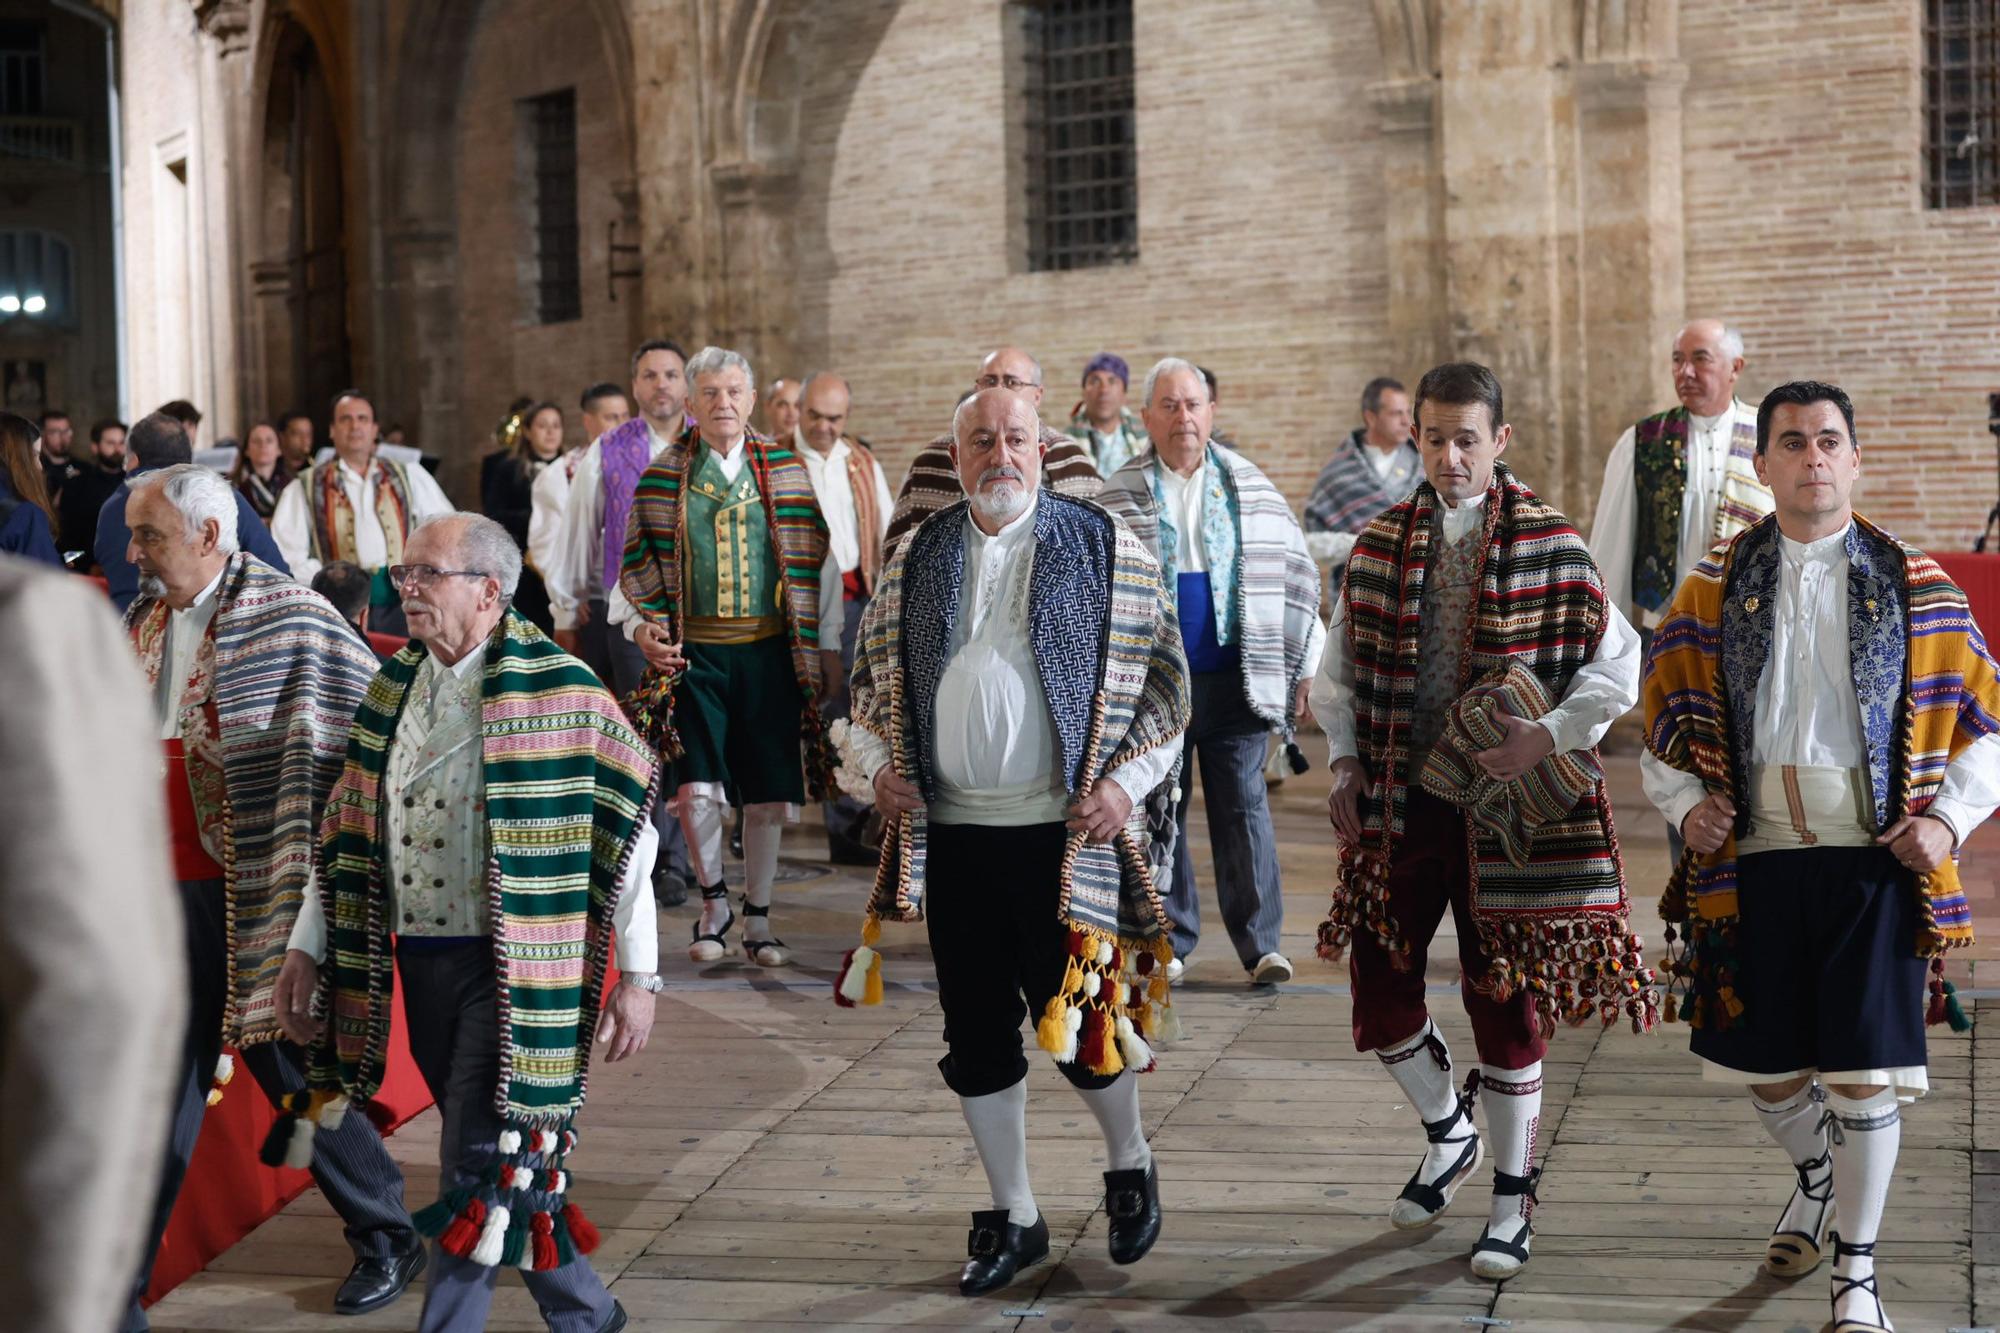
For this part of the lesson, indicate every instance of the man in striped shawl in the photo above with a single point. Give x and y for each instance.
(1019, 699)
(932, 481)
(738, 595)
(255, 682)
(1247, 598)
(1472, 575)
(487, 843)
(1823, 727)
(1370, 470)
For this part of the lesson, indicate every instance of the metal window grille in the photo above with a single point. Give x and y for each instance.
(559, 268)
(1082, 157)
(1961, 103)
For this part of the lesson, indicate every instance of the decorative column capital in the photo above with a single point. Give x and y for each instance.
(227, 22)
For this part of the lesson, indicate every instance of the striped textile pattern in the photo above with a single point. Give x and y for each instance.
(1117, 685)
(932, 482)
(654, 578)
(288, 674)
(566, 784)
(1278, 630)
(1945, 696)
(1557, 925)
(1659, 461)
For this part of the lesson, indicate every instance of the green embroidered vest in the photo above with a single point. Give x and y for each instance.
(731, 572)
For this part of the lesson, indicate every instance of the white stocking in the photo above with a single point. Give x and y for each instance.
(1117, 1110)
(1513, 1119)
(999, 1124)
(763, 830)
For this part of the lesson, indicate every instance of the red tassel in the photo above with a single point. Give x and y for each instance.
(581, 1229)
(1091, 1053)
(1934, 1014)
(463, 1233)
(380, 1116)
(839, 975)
(545, 1242)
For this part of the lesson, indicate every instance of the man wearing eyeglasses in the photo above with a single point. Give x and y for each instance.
(489, 830)
(932, 482)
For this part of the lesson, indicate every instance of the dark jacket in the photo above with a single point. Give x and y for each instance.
(24, 528)
(85, 489)
(122, 576)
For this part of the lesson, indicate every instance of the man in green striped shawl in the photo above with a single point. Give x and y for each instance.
(491, 819)
(728, 564)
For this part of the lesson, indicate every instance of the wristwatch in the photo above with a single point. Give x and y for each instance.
(650, 982)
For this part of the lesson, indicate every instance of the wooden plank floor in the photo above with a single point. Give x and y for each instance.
(774, 1162)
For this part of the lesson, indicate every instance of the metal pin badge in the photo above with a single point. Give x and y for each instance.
(1751, 603)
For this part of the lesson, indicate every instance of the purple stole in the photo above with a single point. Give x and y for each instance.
(623, 453)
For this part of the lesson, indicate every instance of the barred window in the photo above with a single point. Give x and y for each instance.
(1961, 103)
(1081, 152)
(550, 121)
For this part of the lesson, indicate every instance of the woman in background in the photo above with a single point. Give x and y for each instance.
(27, 521)
(260, 471)
(508, 494)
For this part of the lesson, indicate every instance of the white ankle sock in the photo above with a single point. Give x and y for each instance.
(701, 824)
(999, 1124)
(1423, 1074)
(1866, 1134)
(1794, 1124)
(1117, 1110)
(763, 830)
(1513, 1119)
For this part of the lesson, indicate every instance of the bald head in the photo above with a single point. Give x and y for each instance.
(1708, 356)
(996, 445)
(1012, 369)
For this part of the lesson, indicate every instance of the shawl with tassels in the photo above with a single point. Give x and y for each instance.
(1557, 925)
(655, 581)
(566, 786)
(1108, 650)
(1927, 689)
(284, 674)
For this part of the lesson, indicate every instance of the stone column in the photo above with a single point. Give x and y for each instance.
(229, 382)
(753, 311)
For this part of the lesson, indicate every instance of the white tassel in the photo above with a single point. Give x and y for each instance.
(522, 1178)
(1168, 1028)
(561, 1182)
(510, 1142)
(1092, 983)
(299, 1149)
(854, 981)
(1074, 1022)
(1138, 1055)
(487, 1252)
(1104, 953)
(225, 1067)
(332, 1114)
(545, 1142)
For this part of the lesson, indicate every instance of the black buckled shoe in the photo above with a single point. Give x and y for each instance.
(374, 1283)
(998, 1250)
(1132, 1202)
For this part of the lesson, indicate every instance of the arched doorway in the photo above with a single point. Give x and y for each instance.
(302, 280)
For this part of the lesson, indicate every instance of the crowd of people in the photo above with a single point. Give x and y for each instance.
(490, 746)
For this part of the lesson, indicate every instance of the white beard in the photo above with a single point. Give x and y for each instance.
(1001, 504)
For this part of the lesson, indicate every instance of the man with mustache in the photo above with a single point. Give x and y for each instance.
(1821, 728)
(1247, 597)
(1019, 700)
(1681, 480)
(932, 482)
(738, 599)
(256, 680)
(1475, 581)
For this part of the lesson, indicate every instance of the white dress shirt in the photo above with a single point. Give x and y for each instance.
(835, 490)
(1614, 532)
(1602, 690)
(1807, 711)
(547, 500)
(1181, 498)
(995, 755)
(185, 631)
(292, 523)
(433, 695)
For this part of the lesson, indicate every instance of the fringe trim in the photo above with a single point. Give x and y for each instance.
(496, 1223)
(1113, 1001)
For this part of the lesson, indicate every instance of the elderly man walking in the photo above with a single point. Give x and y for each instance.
(1019, 700)
(1247, 597)
(255, 681)
(489, 831)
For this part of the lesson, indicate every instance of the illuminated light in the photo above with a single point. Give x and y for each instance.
(35, 305)
(10, 304)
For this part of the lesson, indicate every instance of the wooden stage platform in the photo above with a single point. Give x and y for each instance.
(774, 1162)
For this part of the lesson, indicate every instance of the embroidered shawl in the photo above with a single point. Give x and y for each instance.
(1557, 925)
(1108, 650)
(284, 673)
(654, 579)
(862, 469)
(1927, 687)
(1349, 491)
(622, 455)
(1275, 584)
(1659, 460)
(333, 512)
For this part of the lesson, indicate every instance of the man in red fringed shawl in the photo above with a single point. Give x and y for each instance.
(1821, 728)
(1470, 576)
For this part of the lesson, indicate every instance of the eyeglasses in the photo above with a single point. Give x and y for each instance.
(422, 576)
(1014, 384)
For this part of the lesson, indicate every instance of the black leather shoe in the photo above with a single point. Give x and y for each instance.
(999, 1250)
(374, 1283)
(1132, 1201)
(669, 889)
(617, 1320)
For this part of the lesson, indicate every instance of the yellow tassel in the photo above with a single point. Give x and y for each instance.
(871, 931)
(1108, 1060)
(872, 993)
(1055, 1034)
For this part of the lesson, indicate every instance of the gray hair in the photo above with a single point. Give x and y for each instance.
(1171, 365)
(807, 382)
(484, 547)
(709, 360)
(201, 496)
(1731, 341)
